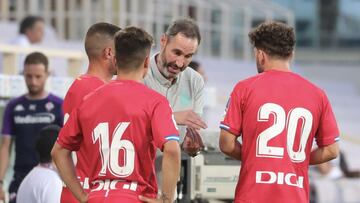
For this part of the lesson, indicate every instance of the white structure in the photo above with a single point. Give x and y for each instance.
(224, 24)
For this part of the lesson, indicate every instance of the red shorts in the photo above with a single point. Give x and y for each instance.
(114, 198)
(67, 196)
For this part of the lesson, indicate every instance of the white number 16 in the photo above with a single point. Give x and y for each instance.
(280, 122)
(110, 153)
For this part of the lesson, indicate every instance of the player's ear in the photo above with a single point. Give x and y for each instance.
(262, 57)
(108, 53)
(146, 65)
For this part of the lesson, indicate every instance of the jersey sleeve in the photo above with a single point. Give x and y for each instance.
(8, 121)
(328, 132)
(70, 136)
(233, 115)
(163, 124)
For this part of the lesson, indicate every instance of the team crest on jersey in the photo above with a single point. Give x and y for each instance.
(19, 107)
(32, 107)
(49, 106)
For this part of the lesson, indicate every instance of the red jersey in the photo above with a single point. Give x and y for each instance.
(82, 86)
(277, 114)
(119, 126)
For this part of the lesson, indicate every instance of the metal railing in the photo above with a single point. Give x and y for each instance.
(12, 54)
(224, 24)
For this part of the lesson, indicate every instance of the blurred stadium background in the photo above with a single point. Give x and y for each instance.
(327, 53)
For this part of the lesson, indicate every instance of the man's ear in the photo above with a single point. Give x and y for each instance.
(146, 65)
(108, 53)
(263, 57)
(163, 40)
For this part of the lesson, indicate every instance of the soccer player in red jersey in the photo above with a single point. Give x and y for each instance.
(278, 114)
(99, 47)
(119, 126)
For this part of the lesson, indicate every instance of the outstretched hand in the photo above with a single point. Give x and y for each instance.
(190, 119)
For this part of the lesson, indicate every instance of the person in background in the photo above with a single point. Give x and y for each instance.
(31, 31)
(198, 68)
(23, 119)
(43, 183)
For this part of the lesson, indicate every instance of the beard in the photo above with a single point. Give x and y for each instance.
(34, 91)
(169, 69)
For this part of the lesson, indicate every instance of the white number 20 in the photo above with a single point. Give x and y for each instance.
(280, 121)
(110, 153)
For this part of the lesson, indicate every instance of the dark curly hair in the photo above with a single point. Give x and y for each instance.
(274, 38)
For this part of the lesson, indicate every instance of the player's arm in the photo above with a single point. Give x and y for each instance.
(229, 145)
(170, 173)
(324, 154)
(65, 165)
(5, 149)
(170, 169)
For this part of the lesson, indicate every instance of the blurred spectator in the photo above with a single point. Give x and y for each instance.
(31, 31)
(43, 183)
(198, 68)
(24, 117)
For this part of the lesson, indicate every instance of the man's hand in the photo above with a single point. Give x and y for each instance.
(162, 199)
(192, 143)
(190, 119)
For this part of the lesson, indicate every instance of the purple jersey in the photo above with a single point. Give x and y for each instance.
(23, 120)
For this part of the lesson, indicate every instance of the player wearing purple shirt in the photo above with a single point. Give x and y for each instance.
(24, 117)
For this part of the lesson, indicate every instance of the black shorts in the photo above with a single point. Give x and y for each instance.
(14, 185)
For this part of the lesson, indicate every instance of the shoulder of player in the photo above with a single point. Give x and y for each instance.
(245, 83)
(85, 81)
(316, 88)
(55, 99)
(16, 101)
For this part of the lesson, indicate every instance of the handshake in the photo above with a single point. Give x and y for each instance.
(192, 143)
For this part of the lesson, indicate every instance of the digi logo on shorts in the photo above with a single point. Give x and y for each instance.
(280, 178)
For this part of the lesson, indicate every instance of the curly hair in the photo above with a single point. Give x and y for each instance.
(274, 38)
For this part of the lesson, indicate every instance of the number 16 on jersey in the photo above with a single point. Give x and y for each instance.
(110, 152)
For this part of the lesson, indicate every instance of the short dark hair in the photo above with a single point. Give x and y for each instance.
(37, 58)
(96, 36)
(45, 142)
(132, 45)
(28, 22)
(274, 38)
(187, 27)
(194, 65)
